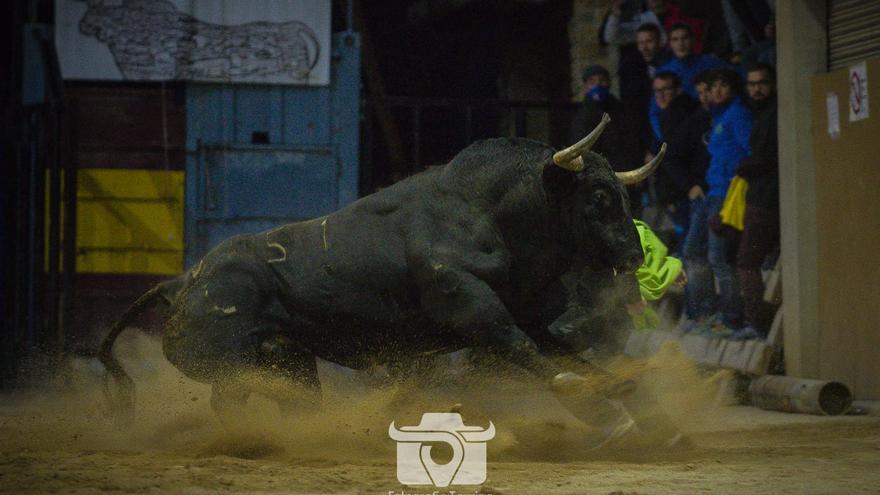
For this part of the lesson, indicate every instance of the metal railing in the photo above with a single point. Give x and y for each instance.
(45, 223)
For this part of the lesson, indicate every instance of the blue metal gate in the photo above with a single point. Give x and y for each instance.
(260, 156)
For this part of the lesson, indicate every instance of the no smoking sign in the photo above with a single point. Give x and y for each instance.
(858, 92)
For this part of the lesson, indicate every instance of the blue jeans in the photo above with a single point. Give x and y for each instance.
(706, 254)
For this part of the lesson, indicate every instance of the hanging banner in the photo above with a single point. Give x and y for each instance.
(237, 41)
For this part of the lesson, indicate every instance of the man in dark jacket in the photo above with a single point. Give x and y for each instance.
(597, 101)
(675, 106)
(684, 167)
(761, 230)
(638, 66)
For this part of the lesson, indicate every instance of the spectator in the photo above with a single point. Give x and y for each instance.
(761, 230)
(685, 164)
(685, 63)
(597, 101)
(611, 144)
(620, 24)
(716, 37)
(728, 145)
(670, 14)
(763, 52)
(639, 64)
(672, 105)
(657, 274)
(746, 21)
(637, 69)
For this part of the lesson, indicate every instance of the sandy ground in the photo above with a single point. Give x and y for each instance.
(63, 440)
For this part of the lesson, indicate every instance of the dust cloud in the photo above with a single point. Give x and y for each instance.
(173, 413)
(63, 439)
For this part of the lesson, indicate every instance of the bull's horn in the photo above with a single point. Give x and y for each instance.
(570, 158)
(642, 173)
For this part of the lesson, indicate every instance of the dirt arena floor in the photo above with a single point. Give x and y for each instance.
(63, 440)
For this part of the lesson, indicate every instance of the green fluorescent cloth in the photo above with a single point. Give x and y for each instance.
(658, 271)
(655, 275)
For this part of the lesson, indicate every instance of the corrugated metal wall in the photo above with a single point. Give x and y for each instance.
(852, 31)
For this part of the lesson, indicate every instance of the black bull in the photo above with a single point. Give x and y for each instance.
(457, 256)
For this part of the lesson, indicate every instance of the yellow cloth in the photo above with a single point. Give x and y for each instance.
(733, 211)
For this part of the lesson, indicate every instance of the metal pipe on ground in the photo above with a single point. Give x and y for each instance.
(791, 394)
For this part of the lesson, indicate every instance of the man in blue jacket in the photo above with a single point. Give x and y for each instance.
(728, 145)
(685, 63)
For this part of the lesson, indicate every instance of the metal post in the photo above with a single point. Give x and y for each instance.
(520, 121)
(468, 124)
(368, 175)
(68, 281)
(35, 244)
(417, 135)
(53, 332)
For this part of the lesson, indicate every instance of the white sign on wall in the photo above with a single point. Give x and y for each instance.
(858, 92)
(833, 112)
(247, 41)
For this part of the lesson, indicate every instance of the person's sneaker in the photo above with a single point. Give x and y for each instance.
(719, 331)
(744, 333)
(687, 326)
(713, 327)
(708, 322)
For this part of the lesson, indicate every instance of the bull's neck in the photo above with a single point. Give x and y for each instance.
(529, 221)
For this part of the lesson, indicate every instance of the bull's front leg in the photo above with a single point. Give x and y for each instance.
(459, 300)
(472, 309)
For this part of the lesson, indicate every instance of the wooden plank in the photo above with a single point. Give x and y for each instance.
(715, 352)
(774, 337)
(696, 346)
(773, 287)
(759, 362)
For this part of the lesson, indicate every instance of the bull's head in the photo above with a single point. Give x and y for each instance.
(593, 205)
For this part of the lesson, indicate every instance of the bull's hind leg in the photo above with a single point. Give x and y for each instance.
(225, 330)
(228, 399)
(291, 373)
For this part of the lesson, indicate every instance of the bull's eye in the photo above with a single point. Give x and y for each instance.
(601, 198)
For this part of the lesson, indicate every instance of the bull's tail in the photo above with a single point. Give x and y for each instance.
(123, 404)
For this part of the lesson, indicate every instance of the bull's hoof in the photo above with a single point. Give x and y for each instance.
(623, 432)
(619, 389)
(679, 441)
(568, 383)
(658, 431)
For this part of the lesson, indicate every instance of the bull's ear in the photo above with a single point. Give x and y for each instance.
(558, 182)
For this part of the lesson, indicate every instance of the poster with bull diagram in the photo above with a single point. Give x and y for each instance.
(230, 41)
